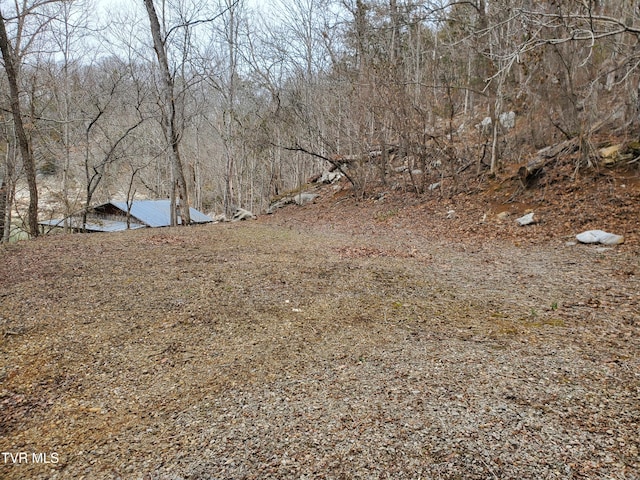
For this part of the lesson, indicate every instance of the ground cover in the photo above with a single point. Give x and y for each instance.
(322, 342)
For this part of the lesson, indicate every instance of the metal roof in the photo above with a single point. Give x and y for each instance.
(144, 213)
(94, 225)
(156, 213)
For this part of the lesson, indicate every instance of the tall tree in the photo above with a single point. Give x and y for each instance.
(168, 108)
(12, 57)
(229, 119)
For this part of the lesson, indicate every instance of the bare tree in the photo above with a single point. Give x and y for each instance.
(168, 108)
(12, 55)
(71, 27)
(114, 137)
(229, 116)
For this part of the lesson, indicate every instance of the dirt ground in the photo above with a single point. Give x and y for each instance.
(386, 338)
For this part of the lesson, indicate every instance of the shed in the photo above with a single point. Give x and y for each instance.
(112, 216)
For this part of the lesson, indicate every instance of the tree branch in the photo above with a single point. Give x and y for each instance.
(198, 22)
(335, 163)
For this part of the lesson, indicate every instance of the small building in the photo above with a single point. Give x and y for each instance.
(117, 216)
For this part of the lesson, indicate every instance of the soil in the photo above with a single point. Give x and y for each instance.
(392, 336)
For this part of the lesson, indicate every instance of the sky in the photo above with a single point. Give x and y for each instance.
(109, 5)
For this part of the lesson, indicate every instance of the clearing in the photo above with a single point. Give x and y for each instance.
(371, 347)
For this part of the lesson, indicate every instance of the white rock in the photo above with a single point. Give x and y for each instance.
(508, 120)
(330, 177)
(279, 204)
(242, 214)
(526, 219)
(485, 125)
(600, 236)
(304, 198)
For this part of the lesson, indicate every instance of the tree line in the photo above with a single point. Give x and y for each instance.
(217, 105)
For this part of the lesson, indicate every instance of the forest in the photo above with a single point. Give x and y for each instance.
(220, 104)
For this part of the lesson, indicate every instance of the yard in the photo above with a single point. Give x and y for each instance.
(276, 349)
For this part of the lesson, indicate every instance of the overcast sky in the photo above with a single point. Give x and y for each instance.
(111, 5)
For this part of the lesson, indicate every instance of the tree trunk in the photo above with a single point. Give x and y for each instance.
(231, 198)
(169, 116)
(4, 194)
(8, 191)
(11, 67)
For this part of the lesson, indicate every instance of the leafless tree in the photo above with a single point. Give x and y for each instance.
(168, 108)
(113, 137)
(13, 51)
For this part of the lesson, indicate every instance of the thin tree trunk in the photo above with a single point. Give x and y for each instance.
(9, 191)
(230, 203)
(495, 118)
(8, 214)
(169, 115)
(10, 66)
(4, 194)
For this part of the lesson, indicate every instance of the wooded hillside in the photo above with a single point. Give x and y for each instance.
(223, 105)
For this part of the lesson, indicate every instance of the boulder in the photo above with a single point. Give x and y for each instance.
(331, 177)
(299, 199)
(525, 220)
(279, 204)
(304, 198)
(242, 214)
(485, 125)
(508, 120)
(600, 236)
